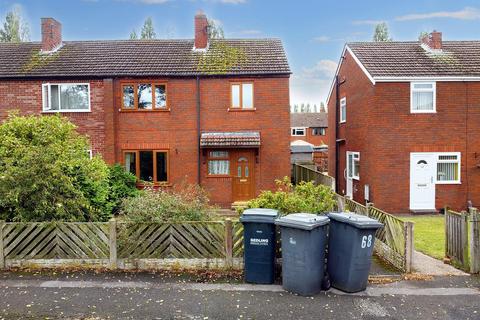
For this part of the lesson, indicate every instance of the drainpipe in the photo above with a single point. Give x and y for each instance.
(199, 164)
(337, 127)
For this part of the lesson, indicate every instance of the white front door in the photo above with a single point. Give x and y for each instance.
(349, 176)
(422, 181)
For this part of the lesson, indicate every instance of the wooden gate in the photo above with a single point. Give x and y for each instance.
(456, 237)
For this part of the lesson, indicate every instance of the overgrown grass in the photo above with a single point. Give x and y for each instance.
(429, 234)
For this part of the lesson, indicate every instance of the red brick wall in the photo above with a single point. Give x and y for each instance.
(111, 130)
(380, 126)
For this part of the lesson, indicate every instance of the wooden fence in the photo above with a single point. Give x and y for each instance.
(307, 173)
(394, 241)
(114, 244)
(459, 228)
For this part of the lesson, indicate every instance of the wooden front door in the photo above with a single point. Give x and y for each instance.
(243, 175)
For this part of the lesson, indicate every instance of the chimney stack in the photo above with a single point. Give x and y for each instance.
(201, 31)
(433, 40)
(51, 35)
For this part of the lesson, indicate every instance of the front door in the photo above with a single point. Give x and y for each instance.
(349, 175)
(422, 181)
(243, 175)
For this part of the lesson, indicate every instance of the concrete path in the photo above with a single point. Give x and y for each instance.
(430, 266)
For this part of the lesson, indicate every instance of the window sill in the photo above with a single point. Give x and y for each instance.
(342, 122)
(155, 184)
(219, 176)
(66, 111)
(448, 182)
(420, 112)
(145, 110)
(241, 109)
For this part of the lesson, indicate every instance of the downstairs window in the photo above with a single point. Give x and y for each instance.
(147, 165)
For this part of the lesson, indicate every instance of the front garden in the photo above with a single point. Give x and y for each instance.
(429, 234)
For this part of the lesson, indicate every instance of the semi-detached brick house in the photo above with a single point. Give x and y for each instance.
(404, 124)
(148, 105)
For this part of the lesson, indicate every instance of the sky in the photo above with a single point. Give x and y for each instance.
(313, 32)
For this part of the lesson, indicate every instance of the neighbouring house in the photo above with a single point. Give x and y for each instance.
(404, 122)
(309, 138)
(159, 108)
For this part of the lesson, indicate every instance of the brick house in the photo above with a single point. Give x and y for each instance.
(309, 138)
(148, 105)
(404, 124)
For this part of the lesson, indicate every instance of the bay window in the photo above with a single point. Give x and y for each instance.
(66, 97)
(147, 165)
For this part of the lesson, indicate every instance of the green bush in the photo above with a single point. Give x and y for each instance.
(305, 197)
(189, 203)
(121, 185)
(46, 173)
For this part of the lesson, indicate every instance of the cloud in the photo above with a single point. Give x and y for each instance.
(311, 84)
(367, 22)
(467, 13)
(321, 39)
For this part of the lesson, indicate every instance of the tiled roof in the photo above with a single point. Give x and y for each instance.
(136, 58)
(410, 59)
(230, 139)
(309, 120)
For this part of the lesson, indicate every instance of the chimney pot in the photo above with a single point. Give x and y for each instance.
(201, 31)
(51, 34)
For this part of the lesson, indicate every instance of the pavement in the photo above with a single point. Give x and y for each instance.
(90, 295)
(427, 265)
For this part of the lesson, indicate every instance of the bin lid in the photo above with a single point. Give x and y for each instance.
(305, 221)
(259, 215)
(357, 220)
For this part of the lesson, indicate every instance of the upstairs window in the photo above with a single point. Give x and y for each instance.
(242, 95)
(422, 97)
(318, 131)
(147, 165)
(298, 131)
(343, 110)
(66, 97)
(448, 168)
(144, 96)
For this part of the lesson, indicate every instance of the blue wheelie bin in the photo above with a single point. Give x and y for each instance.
(304, 240)
(350, 248)
(259, 245)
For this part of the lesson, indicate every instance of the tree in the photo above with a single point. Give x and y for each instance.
(315, 108)
(381, 33)
(422, 35)
(46, 172)
(147, 32)
(215, 31)
(14, 29)
(322, 107)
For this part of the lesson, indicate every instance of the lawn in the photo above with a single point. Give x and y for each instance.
(429, 234)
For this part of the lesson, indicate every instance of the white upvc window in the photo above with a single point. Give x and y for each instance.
(298, 131)
(353, 165)
(448, 168)
(343, 110)
(66, 97)
(423, 97)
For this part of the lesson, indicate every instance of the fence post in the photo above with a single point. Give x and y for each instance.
(228, 243)
(113, 242)
(341, 203)
(445, 212)
(409, 246)
(474, 241)
(370, 205)
(464, 243)
(2, 256)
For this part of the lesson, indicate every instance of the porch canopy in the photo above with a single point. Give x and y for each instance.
(244, 139)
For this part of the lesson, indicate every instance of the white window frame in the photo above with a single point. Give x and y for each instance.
(343, 104)
(48, 85)
(459, 161)
(294, 134)
(322, 130)
(433, 90)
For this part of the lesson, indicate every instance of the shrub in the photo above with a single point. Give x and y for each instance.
(46, 173)
(305, 197)
(121, 185)
(189, 203)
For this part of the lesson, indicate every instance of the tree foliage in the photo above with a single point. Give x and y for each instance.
(304, 197)
(14, 29)
(381, 33)
(46, 173)
(147, 32)
(422, 35)
(215, 31)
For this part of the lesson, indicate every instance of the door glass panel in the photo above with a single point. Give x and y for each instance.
(246, 171)
(349, 165)
(239, 171)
